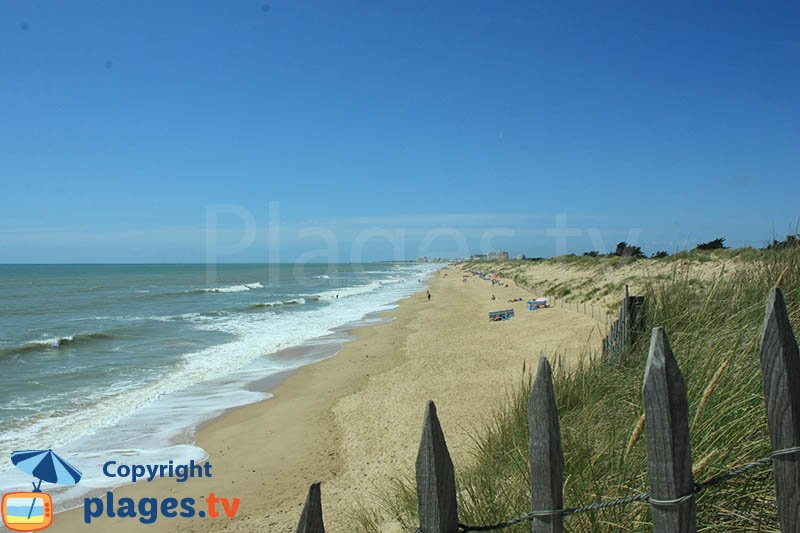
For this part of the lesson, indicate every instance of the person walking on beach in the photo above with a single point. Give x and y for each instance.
(429, 295)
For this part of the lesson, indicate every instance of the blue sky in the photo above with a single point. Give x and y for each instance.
(375, 130)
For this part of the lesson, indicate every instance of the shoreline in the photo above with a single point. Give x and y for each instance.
(353, 420)
(318, 350)
(309, 352)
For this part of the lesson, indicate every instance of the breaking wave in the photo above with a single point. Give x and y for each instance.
(54, 343)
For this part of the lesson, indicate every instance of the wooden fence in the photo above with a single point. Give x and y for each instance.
(597, 311)
(668, 446)
(625, 329)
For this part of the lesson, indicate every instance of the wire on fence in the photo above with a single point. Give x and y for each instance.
(644, 496)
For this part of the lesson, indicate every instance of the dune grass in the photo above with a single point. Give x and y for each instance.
(715, 330)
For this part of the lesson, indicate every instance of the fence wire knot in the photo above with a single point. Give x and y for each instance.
(645, 496)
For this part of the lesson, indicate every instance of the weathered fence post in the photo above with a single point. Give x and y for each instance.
(636, 313)
(311, 518)
(615, 329)
(669, 455)
(624, 331)
(623, 321)
(780, 376)
(436, 482)
(544, 451)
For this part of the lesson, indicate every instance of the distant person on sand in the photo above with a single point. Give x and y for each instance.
(429, 295)
(493, 298)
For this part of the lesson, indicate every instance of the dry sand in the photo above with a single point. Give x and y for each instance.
(353, 421)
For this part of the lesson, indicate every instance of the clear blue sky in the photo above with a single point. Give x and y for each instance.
(449, 126)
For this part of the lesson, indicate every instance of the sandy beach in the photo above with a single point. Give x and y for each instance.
(352, 421)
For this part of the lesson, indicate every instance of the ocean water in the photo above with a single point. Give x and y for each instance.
(123, 362)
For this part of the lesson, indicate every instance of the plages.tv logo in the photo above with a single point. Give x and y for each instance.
(33, 511)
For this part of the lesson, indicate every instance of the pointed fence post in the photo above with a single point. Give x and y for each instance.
(669, 455)
(780, 376)
(436, 482)
(544, 452)
(311, 518)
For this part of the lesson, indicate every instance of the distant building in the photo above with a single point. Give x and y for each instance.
(493, 256)
(497, 256)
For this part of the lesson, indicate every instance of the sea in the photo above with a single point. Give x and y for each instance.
(124, 362)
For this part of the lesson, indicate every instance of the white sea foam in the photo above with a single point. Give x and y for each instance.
(280, 303)
(189, 317)
(53, 342)
(346, 292)
(235, 288)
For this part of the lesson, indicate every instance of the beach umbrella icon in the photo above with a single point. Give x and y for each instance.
(45, 465)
